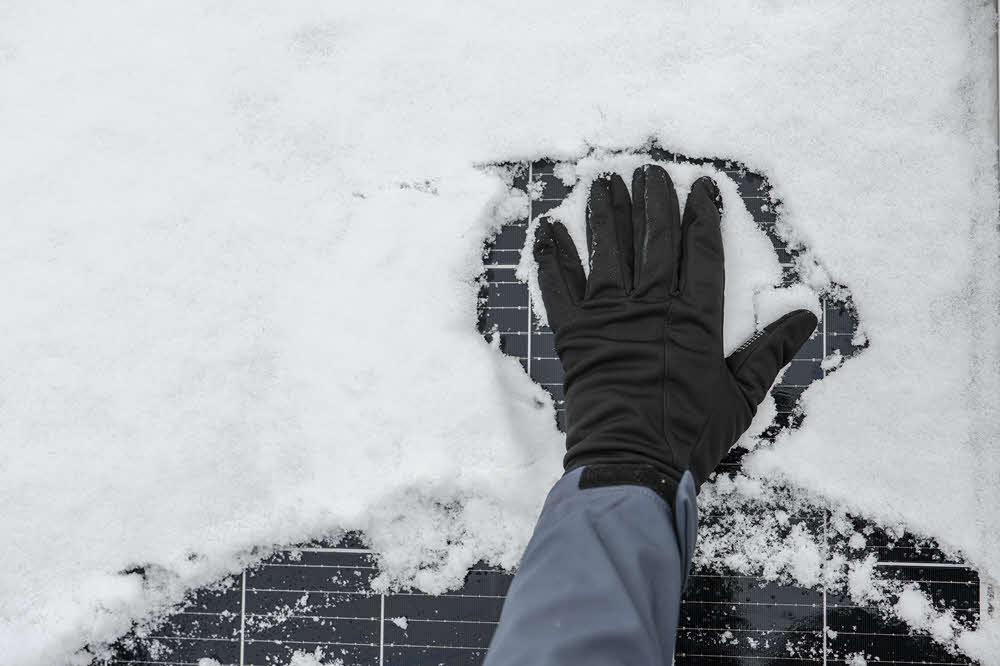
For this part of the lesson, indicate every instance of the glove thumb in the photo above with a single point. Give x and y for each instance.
(759, 360)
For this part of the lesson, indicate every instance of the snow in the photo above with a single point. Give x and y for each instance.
(832, 361)
(770, 304)
(240, 246)
(299, 658)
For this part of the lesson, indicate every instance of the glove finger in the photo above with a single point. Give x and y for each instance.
(703, 271)
(759, 360)
(609, 238)
(656, 232)
(753, 368)
(560, 273)
(569, 262)
(731, 420)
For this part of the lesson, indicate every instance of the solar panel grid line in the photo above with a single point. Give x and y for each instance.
(361, 593)
(528, 291)
(136, 662)
(190, 638)
(436, 646)
(289, 641)
(289, 565)
(243, 616)
(312, 616)
(411, 621)
(381, 631)
(321, 549)
(453, 595)
(826, 547)
(684, 658)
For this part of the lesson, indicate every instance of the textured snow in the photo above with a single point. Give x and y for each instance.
(832, 361)
(240, 245)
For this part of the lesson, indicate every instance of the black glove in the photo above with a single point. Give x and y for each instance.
(649, 393)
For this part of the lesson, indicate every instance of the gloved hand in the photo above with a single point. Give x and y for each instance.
(649, 393)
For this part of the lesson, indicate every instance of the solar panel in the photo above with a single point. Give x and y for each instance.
(317, 596)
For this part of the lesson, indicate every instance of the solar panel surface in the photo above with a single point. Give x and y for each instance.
(317, 597)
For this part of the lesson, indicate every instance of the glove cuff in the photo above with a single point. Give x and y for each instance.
(601, 475)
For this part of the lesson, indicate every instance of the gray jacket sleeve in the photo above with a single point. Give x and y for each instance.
(601, 579)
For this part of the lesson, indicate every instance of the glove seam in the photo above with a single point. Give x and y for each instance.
(664, 383)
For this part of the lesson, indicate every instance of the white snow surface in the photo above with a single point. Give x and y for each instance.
(240, 244)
